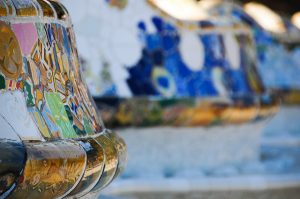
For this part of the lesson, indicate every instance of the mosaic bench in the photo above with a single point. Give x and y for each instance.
(185, 94)
(52, 140)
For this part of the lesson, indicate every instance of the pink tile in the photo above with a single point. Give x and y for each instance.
(27, 36)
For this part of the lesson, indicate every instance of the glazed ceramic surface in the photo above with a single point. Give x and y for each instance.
(161, 70)
(39, 58)
(277, 55)
(49, 123)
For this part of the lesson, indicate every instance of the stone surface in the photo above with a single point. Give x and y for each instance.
(285, 123)
(274, 175)
(291, 193)
(164, 152)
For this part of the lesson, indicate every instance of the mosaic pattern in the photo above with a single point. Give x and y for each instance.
(120, 146)
(185, 111)
(165, 59)
(48, 74)
(162, 71)
(13, 157)
(278, 63)
(94, 170)
(41, 60)
(156, 59)
(51, 171)
(121, 4)
(111, 162)
(50, 125)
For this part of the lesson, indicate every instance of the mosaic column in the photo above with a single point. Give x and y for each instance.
(50, 125)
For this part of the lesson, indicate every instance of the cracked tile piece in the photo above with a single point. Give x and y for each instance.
(14, 110)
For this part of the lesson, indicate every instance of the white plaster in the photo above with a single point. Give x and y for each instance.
(232, 49)
(192, 50)
(126, 47)
(218, 81)
(7, 131)
(13, 109)
(78, 11)
(108, 34)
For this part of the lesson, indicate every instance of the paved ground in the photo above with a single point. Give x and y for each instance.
(279, 155)
(271, 194)
(276, 160)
